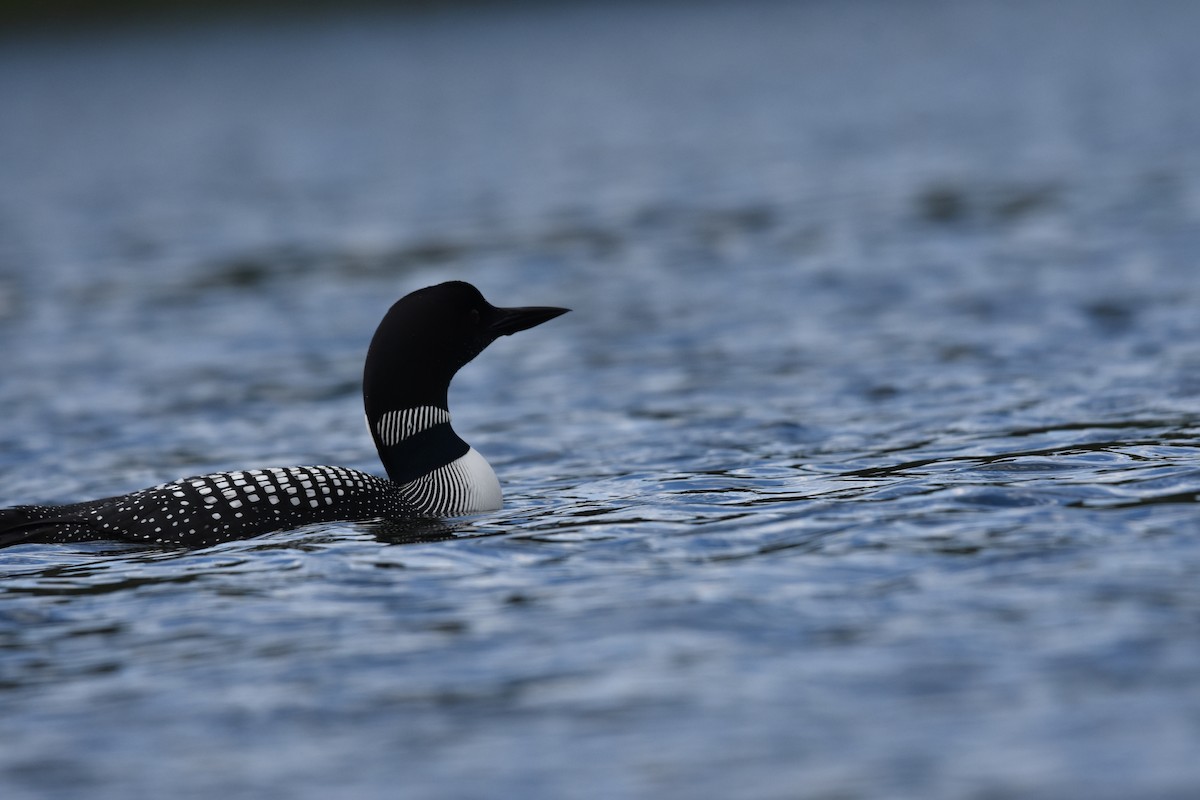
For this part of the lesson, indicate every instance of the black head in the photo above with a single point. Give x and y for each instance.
(427, 336)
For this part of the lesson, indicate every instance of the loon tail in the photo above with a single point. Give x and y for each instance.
(33, 524)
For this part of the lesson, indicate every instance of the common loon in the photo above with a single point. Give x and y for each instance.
(421, 343)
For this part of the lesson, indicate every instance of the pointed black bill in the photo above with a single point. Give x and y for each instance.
(510, 320)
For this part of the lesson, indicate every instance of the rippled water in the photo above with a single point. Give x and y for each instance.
(866, 466)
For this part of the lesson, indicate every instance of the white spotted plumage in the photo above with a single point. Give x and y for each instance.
(229, 505)
(232, 505)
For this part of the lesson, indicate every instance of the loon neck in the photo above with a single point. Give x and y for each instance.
(415, 441)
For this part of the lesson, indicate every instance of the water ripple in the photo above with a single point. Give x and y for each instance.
(866, 464)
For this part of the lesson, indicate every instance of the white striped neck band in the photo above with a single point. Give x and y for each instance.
(396, 426)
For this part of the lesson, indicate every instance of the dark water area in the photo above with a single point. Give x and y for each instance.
(866, 466)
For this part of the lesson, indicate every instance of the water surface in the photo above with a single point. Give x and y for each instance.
(866, 465)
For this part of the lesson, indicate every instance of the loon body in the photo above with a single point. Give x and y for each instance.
(421, 343)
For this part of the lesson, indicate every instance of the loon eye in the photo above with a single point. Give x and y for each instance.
(474, 316)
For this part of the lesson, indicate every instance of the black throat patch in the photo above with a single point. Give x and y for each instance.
(422, 453)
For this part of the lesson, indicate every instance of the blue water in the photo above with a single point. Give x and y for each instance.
(866, 466)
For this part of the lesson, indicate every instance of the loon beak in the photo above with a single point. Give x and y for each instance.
(510, 320)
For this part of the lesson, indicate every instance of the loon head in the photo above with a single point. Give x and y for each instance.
(423, 340)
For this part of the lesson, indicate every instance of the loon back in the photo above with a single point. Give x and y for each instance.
(423, 340)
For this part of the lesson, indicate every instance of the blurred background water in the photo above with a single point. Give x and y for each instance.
(865, 467)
